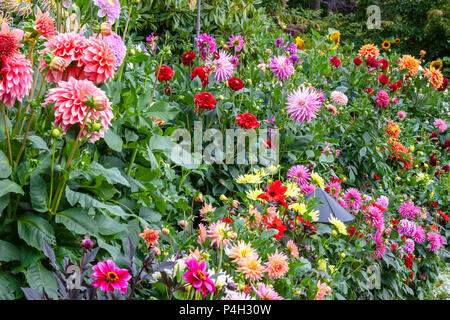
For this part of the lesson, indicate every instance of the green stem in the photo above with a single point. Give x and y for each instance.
(7, 136)
(133, 157)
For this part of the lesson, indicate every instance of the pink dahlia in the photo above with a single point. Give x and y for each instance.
(118, 46)
(331, 108)
(383, 201)
(15, 78)
(108, 8)
(110, 278)
(353, 199)
(265, 292)
(238, 296)
(304, 103)
(322, 290)
(382, 99)
(282, 67)
(99, 61)
(277, 265)
(401, 114)
(440, 125)
(205, 44)
(236, 42)
(44, 24)
(9, 40)
(339, 98)
(436, 241)
(409, 210)
(198, 276)
(70, 47)
(299, 174)
(307, 188)
(70, 109)
(408, 247)
(219, 232)
(224, 68)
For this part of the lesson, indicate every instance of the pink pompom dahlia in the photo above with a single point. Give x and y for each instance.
(339, 98)
(110, 278)
(440, 125)
(15, 78)
(382, 99)
(70, 109)
(99, 61)
(197, 276)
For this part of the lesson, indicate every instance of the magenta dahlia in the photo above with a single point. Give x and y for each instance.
(304, 103)
(299, 174)
(282, 67)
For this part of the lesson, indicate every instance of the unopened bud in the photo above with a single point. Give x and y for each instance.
(165, 231)
(58, 64)
(100, 103)
(105, 28)
(56, 133)
(223, 197)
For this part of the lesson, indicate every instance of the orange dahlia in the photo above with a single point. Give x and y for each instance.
(251, 268)
(434, 76)
(410, 63)
(392, 129)
(369, 50)
(399, 153)
(277, 265)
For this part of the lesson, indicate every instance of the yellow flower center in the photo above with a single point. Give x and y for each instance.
(112, 277)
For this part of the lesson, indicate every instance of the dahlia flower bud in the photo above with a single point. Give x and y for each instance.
(58, 64)
(235, 204)
(155, 250)
(96, 126)
(56, 133)
(268, 52)
(226, 47)
(100, 103)
(87, 243)
(183, 223)
(223, 197)
(165, 231)
(105, 28)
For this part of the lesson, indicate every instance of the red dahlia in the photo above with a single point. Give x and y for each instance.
(392, 87)
(205, 101)
(247, 121)
(384, 64)
(235, 83)
(202, 73)
(335, 62)
(383, 79)
(188, 57)
(358, 61)
(276, 192)
(372, 62)
(165, 73)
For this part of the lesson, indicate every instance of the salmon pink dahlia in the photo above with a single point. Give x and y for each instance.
(44, 24)
(98, 60)
(15, 78)
(68, 98)
(277, 265)
(9, 40)
(109, 278)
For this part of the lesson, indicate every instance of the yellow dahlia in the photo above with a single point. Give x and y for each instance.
(434, 76)
(253, 194)
(336, 37)
(298, 207)
(339, 225)
(410, 63)
(249, 178)
(292, 190)
(300, 43)
(317, 179)
(369, 50)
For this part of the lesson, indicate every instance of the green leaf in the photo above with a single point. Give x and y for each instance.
(113, 140)
(39, 277)
(38, 193)
(163, 110)
(33, 229)
(7, 186)
(362, 152)
(5, 168)
(149, 214)
(267, 234)
(108, 226)
(6, 288)
(77, 220)
(8, 252)
(112, 175)
(38, 143)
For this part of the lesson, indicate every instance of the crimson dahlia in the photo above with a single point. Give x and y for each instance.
(205, 101)
(247, 121)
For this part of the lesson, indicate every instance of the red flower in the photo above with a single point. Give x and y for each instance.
(393, 247)
(433, 204)
(276, 192)
(268, 144)
(202, 72)
(433, 160)
(275, 223)
(358, 61)
(384, 64)
(227, 220)
(369, 91)
(399, 84)
(444, 85)
(376, 177)
(247, 121)
(372, 62)
(433, 135)
(383, 79)
(188, 57)
(165, 73)
(335, 61)
(235, 83)
(408, 259)
(392, 87)
(205, 101)
(446, 168)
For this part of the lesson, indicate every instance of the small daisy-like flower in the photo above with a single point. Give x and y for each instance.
(265, 292)
(340, 226)
(282, 67)
(304, 103)
(236, 42)
(299, 174)
(251, 268)
(277, 265)
(240, 251)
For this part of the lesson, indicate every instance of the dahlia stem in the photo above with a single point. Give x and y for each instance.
(19, 112)
(51, 173)
(133, 157)
(7, 135)
(22, 147)
(126, 24)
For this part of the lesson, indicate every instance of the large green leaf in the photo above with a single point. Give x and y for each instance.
(38, 193)
(5, 168)
(112, 175)
(163, 110)
(33, 229)
(113, 140)
(7, 186)
(6, 288)
(77, 220)
(39, 277)
(8, 252)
